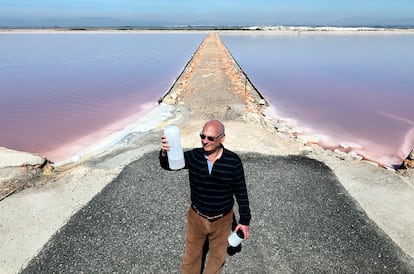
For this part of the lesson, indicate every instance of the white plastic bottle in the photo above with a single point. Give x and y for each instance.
(175, 154)
(236, 238)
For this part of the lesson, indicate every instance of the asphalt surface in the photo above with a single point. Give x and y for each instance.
(303, 221)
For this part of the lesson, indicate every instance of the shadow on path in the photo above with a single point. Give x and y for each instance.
(303, 221)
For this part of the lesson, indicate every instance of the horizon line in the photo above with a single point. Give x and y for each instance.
(206, 27)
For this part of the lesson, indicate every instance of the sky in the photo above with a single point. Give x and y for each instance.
(46, 13)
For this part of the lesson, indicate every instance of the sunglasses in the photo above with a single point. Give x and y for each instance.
(210, 138)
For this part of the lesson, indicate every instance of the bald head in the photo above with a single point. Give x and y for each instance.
(214, 125)
(212, 136)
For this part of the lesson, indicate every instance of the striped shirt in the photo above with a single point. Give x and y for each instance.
(212, 192)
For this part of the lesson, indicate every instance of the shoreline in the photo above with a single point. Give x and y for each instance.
(362, 149)
(246, 30)
(112, 135)
(280, 121)
(101, 142)
(84, 147)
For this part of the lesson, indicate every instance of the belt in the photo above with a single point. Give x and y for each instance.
(210, 218)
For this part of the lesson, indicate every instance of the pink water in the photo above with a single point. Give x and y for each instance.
(347, 88)
(59, 92)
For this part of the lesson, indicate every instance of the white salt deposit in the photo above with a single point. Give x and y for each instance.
(143, 124)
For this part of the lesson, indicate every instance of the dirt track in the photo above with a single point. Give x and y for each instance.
(214, 86)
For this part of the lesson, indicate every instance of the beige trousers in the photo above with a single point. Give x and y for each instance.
(198, 228)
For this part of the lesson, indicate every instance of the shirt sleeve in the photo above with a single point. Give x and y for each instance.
(164, 161)
(240, 192)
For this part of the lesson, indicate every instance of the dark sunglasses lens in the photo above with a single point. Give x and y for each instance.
(211, 139)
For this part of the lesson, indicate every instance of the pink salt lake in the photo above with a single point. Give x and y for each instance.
(60, 92)
(351, 89)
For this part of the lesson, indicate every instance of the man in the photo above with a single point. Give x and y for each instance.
(215, 175)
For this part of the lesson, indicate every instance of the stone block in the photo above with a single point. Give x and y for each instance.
(13, 158)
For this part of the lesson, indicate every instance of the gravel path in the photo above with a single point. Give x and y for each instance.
(303, 222)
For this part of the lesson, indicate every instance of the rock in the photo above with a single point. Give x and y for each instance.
(174, 96)
(347, 145)
(13, 158)
(341, 154)
(411, 155)
(284, 121)
(355, 155)
(408, 163)
(370, 162)
(308, 139)
(48, 169)
(16, 164)
(390, 169)
(306, 150)
(282, 129)
(296, 130)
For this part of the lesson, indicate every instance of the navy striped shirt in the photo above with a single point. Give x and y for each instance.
(212, 194)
